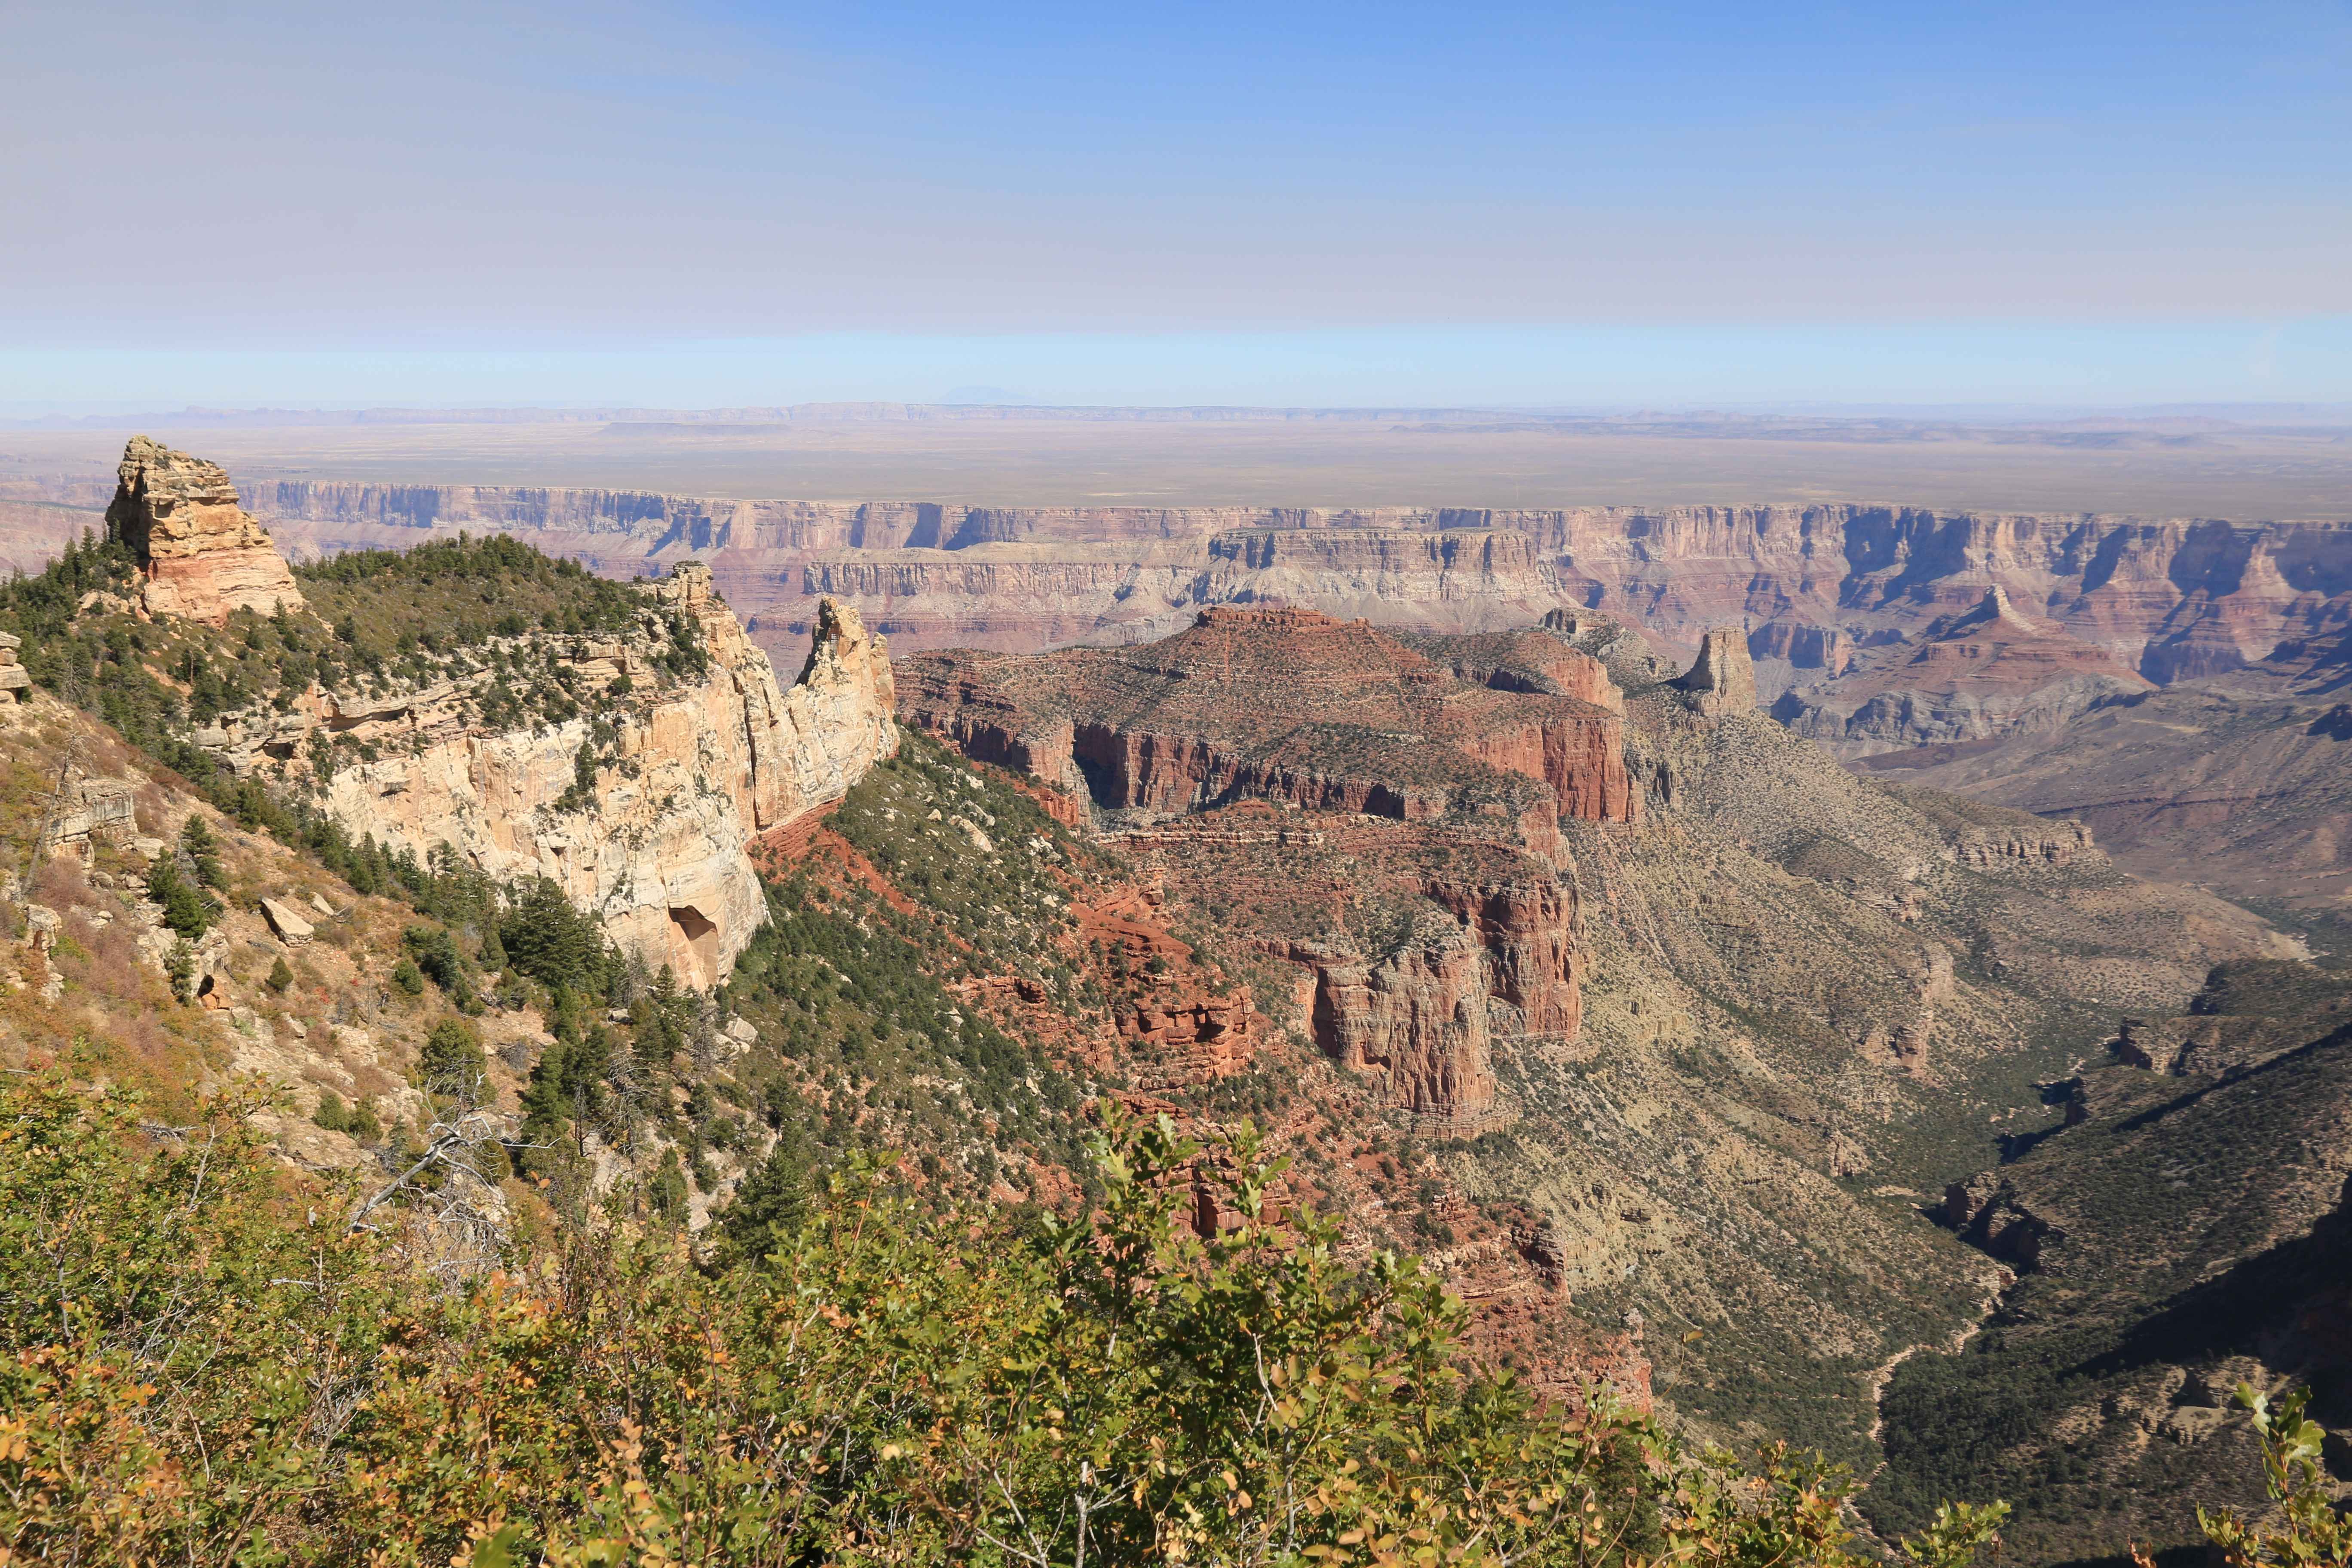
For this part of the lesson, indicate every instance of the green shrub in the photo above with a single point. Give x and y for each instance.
(451, 1062)
(218, 1374)
(408, 977)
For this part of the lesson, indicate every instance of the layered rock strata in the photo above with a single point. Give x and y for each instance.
(1281, 704)
(2171, 598)
(203, 556)
(1411, 790)
(14, 677)
(1978, 675)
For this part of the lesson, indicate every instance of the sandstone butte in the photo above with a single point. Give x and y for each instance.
(203, 555)
(1380, 811)
(659, 848)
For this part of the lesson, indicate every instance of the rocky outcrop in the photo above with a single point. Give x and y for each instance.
(1724, 679)
(1528, 930)
(203, 556)
(1988, 1211)
(86, 810)
(14, 677)
(1415, 1017)
(679, 776)
(2058, 844)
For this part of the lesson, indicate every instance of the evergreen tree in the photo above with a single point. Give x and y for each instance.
(452, 1062)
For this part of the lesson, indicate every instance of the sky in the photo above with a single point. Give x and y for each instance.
(703, 204)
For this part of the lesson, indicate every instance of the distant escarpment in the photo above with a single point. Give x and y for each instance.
(1865, 621)
(2167, 599)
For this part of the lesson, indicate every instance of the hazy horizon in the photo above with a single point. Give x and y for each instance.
(710, 204)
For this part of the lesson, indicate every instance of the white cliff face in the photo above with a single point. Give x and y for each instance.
(687, 776)
(799, 748)
(660, 857)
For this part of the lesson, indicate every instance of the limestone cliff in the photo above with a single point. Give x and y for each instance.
(642, 808)
(203, 556)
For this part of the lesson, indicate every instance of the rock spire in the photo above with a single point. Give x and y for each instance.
(203, 555)
(1724, 678)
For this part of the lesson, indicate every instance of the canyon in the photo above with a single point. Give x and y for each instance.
(1699, 1040)
(1846, 605)
(2240, 779)
(1503, 874)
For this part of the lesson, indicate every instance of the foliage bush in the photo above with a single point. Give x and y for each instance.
(206, 1363)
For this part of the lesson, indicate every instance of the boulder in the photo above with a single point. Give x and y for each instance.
(287, 922)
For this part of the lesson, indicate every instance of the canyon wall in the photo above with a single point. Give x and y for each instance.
(683, 778)
(2169, 598)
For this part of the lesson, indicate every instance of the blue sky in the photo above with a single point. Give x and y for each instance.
(1590, 205)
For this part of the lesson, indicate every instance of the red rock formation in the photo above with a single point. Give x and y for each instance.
(1282, 704)
(1529, 930)
(1416, 1018)
(1380, 811)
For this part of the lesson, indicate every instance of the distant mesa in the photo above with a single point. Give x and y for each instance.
(1282, 704)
